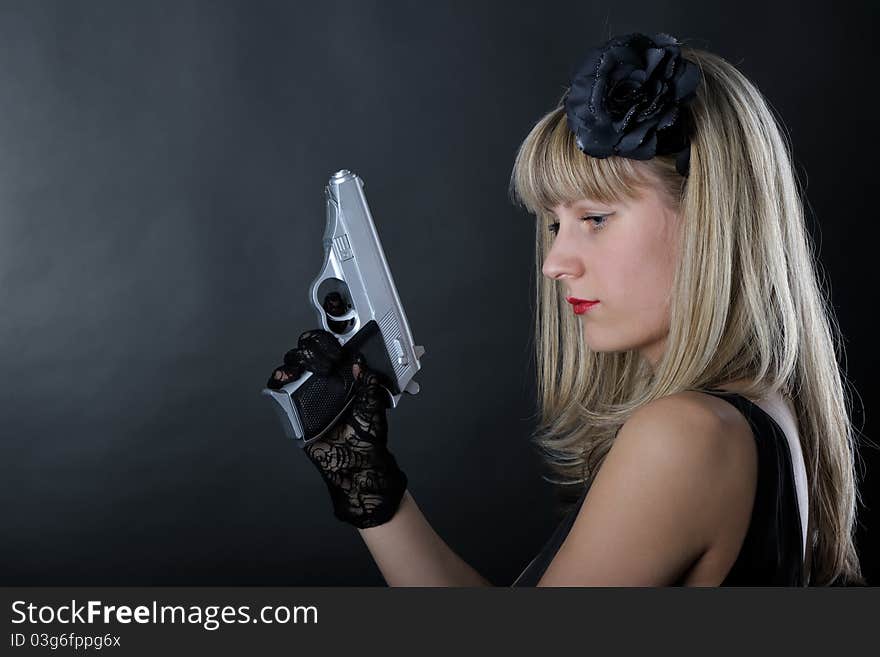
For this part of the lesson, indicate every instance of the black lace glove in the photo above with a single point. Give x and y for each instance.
(363, 478)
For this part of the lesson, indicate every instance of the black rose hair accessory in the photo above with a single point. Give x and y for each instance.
(628, 98)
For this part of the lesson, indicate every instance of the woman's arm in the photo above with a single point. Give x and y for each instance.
(353, 453)
(409, 552)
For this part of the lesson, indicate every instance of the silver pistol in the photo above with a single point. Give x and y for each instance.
(364, 313)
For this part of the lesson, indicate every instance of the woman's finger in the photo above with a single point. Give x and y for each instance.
(282, 375)
(358, 366)
(319, 351)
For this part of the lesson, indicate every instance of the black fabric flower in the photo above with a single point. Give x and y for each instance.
(627, 98)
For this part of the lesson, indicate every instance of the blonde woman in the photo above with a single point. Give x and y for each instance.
(692, 406)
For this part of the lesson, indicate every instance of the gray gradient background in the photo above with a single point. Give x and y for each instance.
(161, 211)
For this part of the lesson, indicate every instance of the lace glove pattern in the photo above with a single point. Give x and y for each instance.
(363, 478)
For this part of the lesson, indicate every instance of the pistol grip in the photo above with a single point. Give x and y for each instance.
(312, 404)
(321, 400)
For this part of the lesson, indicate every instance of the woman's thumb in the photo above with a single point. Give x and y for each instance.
(371, 392)
(358, 367)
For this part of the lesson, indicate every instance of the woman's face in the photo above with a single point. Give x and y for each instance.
(624, 257)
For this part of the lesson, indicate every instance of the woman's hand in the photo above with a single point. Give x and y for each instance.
(362, 476)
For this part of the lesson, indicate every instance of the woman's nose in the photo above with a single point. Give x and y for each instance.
(562, 261)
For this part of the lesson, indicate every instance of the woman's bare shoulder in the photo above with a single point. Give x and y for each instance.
(713, 434)
(701, 413)
(672, 480)
(692, 421)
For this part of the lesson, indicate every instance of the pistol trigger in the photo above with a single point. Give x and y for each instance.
(412, 387)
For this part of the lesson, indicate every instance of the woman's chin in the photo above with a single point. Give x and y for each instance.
(600, 342)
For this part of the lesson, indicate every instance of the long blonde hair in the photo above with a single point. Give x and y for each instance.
(746, 301)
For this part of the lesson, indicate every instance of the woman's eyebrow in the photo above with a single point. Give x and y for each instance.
(586, 204)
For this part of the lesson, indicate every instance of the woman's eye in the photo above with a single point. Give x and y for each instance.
(599, 220)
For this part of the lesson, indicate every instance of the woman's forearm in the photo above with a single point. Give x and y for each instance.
(409, 552)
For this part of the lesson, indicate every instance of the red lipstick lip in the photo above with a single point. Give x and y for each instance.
(580, 306)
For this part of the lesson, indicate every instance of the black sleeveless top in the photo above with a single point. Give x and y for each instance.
(772, 551)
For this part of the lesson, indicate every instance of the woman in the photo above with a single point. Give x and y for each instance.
(691, 399)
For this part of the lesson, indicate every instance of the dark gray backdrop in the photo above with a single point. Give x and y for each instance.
(161, 208)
